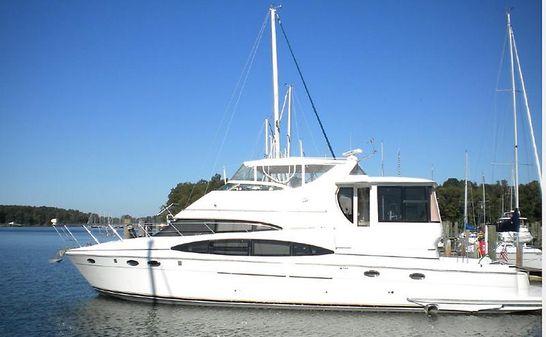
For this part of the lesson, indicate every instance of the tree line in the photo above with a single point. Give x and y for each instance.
(499, 197)
(39, 216)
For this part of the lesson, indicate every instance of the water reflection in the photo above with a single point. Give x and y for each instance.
(105, 316)
(41, 299)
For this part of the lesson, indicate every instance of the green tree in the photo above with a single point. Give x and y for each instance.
(184, 194)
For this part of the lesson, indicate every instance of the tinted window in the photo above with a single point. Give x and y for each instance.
(403, 204)
(259, 248)
(194, 247)
(345, 200)
(204, 226)
(270, 248)
(229, 247)
(300, 249)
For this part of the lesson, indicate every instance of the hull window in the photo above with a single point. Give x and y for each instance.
(154, 263)
(270, 248)
(132, 263)
(417, 276)
(90, 260)
(252, 248)
(229, 247)
(371, 273)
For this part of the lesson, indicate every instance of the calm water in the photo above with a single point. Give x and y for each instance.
(42, 299)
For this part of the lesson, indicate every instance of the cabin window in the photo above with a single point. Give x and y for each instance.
(270, 248)
(404, 204)
(313, 172)
(300, 249)
(348, 201)
(243, 247)
(229, 247)
(363, 215)
(289, 175)
(210, 226)
(345, 200)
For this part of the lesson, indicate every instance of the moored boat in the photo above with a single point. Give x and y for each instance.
(303, 232)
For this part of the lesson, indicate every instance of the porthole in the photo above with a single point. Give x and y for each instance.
(90, 260)
(417, 276)
(154, 263)
(132, 263)
(115, 260)
(371, 273)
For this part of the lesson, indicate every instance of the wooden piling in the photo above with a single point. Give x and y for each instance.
(492, 242)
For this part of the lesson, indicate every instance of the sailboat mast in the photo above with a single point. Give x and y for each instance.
(465, 219)
(483, 197)
(289, 125)
(276, 137)
(529, 120)
(516, 171)
(266, 132)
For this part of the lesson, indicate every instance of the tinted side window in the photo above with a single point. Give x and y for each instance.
(242, 247)
(345, 200)
(193, 247)
(270, 248)
(229, 247)
(300, 249)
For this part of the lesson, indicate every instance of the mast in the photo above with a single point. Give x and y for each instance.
(529, 120)
(465, 218)
(515, 216)
(289, 126)
(483, 197)
(266, 132)
(516, 164)
(276, 137)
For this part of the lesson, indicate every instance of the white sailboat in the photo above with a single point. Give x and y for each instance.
(301, 232)
(507, 250)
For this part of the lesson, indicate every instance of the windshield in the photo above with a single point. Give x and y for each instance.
(288, 175)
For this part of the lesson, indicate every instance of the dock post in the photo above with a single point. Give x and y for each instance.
(492, 242)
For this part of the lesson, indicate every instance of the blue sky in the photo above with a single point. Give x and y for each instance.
(107, 105)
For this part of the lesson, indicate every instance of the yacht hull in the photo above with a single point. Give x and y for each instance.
(336, 282)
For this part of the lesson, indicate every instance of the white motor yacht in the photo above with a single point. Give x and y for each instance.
(302, 232)
(326, 236)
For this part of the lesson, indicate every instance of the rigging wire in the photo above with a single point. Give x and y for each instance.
(305, 86)
(305, 123)
(233, 102)
(496, 120)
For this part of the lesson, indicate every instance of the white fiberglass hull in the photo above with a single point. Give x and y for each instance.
(339, 282)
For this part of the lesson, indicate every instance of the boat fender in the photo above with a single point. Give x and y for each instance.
(431, 309)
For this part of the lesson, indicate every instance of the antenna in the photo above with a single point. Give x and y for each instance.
(398, 162)
(382, 164)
